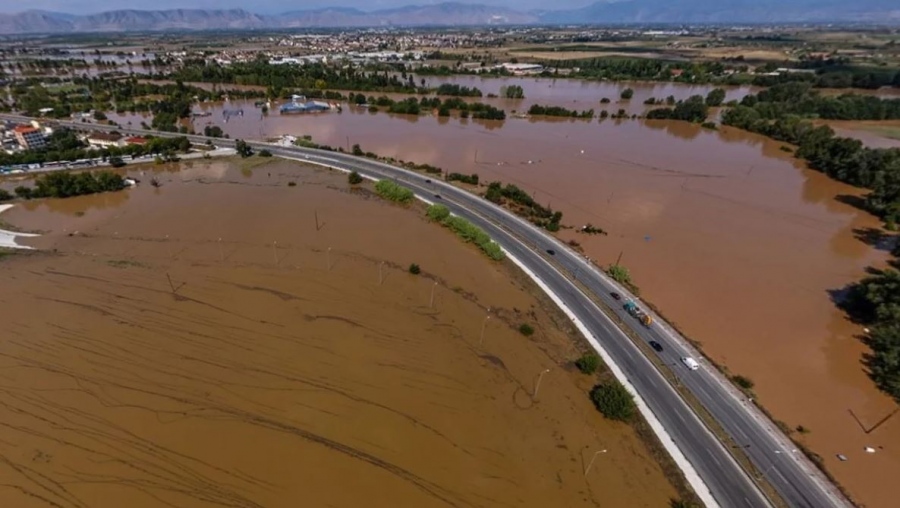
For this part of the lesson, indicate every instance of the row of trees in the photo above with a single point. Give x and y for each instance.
(694, 109)
(60, 184)
(800, 99)
(413, 106)
(875, 302)
(843, 159)
(457, 90)
(312, 75)
(539, 215)
(466, 230)
(537, 109)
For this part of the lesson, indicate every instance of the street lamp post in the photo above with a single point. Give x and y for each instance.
(537, 385)
(591, 463)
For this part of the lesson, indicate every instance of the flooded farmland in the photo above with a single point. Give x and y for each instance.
(736, 243)
(229, 340)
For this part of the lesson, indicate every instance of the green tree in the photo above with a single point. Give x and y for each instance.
(620, 274)
(512, 92)
(627, 94)
(715, 97)
(243, 149)
(526, 329)
(588, 363)
(5, 195)
(414, 269)
(357, 151)
(354, 178)
(614, 401)
(437, 212)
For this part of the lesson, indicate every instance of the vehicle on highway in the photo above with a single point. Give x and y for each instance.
(636, 312)
(427, 181)
(656, 346)
(551, 252)
(690, 362)
(616, 296)
(437, 196)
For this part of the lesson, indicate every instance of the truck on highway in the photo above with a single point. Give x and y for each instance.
(638, 314)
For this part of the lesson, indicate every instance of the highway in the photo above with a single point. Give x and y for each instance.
(796, 479)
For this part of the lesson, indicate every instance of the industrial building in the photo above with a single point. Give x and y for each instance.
(299, 104)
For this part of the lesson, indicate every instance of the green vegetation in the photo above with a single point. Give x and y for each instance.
(524, 204)
(414, 269)
(457, 90)
(413, 106)
(213, 131)
(512, 92)
(465, 230)
(469, 179)
(875, 302)
(265, 153)
(5, 195)
(537, 109)
(526, 329)
(64, 145)
(627, 94)
(694, 109)
(801, 429)
(590, 229)
(619, 274)
(243, 149)
(392, 191)
(281, 78)
(588, 363)
(614, 401)
(63, 185)
(743, 381)
(778, 113)
(715, 97)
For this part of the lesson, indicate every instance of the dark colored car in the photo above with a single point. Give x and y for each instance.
(427, 181)
(656, 346)
(551, 252)
(616, 296)
(437, 196)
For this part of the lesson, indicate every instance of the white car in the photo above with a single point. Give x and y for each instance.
(690, 362)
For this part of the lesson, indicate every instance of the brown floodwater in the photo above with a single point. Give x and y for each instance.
(229, 340)
(736, 242)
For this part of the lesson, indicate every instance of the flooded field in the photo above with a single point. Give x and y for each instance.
(229, 340)
(736, 242)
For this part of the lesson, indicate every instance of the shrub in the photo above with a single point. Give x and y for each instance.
(742, 381)
(437, 212)
(526, 329)
(620, 274)
(392, 191)
(414, 269)
(473, 234)
(803, 430)
(588, 363)
(627, 94)
(292, 184)
(265, 153)
(354, 178)
(357, 151)
(5, 195)
(614, 401)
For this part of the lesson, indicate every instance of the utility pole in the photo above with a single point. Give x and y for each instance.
(591, 463)
(275, 252)
(328, 258)
(483, 326)
(537, 385)
(620, 257)
(431, 304)
(380, 273)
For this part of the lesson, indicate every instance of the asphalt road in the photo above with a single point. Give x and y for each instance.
(799, 483)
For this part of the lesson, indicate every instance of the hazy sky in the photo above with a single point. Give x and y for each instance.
(258, 6)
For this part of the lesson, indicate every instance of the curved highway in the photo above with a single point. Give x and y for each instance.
(797, 481)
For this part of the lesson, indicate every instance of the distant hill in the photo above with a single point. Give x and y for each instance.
(460, 14)
(445, 14)
(730, 11)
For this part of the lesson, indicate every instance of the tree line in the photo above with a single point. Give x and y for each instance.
(61, 184)
(537, 109)
(779, 114)
(524, 204)
(413, 106)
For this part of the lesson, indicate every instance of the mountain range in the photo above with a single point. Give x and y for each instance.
(459, 14)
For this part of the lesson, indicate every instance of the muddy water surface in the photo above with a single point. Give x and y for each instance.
(734, 241)
(227, 340)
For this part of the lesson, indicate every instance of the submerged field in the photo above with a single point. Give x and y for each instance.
(229, 340)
